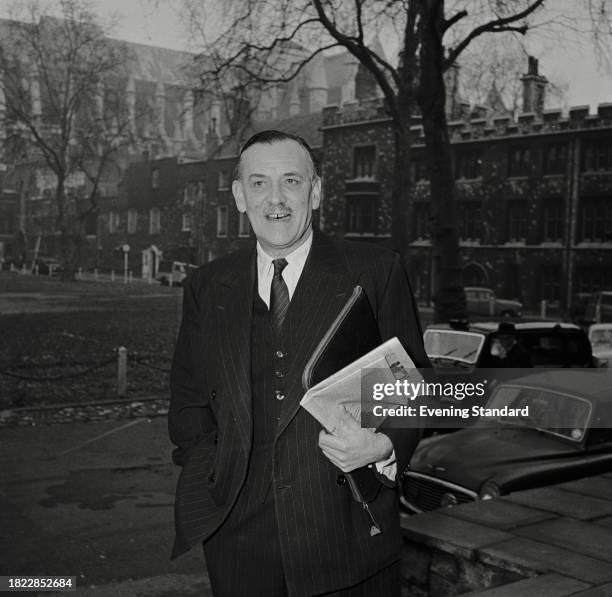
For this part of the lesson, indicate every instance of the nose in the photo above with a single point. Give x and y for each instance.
(276, 196)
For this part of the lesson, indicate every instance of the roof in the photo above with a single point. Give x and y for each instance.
(490, 326)
(493, 326)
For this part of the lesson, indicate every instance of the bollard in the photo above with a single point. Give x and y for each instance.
(80, 274)
(543, 308)
(112, 275)
(122, 372)
(36, 270)
(491, 306)
(598, 313)
(96, 274)
(131, 278)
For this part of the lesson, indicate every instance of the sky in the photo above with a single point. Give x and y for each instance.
(569, 64)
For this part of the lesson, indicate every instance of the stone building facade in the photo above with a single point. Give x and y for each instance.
(534, 198)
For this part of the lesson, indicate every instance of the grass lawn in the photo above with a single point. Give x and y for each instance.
(87, 323)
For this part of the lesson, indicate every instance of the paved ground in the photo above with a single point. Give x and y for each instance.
(94, 500)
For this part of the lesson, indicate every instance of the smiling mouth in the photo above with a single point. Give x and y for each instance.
(278, 216)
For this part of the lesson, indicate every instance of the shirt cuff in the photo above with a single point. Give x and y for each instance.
(387, 467)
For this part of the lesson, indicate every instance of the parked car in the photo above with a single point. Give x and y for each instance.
(599, 307)
(506, 344)
(600, 336)
(482, 301)
(47, 266)
(566, 435)
(173, 273)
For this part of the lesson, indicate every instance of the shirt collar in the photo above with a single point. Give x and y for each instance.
(264, 261)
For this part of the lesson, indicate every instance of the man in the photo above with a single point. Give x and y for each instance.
(262, 484)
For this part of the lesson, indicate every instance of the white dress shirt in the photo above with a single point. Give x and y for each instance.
(291, 274)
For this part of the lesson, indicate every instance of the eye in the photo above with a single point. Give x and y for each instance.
(292, 181)
(258, 184)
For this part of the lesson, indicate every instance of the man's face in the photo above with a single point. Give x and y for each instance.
(278, 190)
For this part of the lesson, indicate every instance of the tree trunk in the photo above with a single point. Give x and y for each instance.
(450, 301)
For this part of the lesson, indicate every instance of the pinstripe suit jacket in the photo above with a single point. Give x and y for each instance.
(323, 533)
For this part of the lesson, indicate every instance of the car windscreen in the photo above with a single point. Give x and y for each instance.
(546, 410)
(601, 338)
(453, 344)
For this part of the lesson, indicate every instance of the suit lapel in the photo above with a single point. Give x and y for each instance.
(324, 287)
(234, 307)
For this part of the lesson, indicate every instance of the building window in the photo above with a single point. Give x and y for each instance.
(597, 155)
(594, 278)
(186, 227)
(154, 221)
(364, 161)
(419, 170)
(421, 221)
(244, 226)
(469, 218)
(595, 219)
(113, 221)
(469, 164)
(132, 221)
(361, 215)
(223, 180)
(550, 277)
(555, 158)
(519, 161)
(552, 220)
(517, 220)
(155, 178)
(221, 221)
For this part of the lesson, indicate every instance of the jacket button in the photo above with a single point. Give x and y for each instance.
(341, 480)
(279, 374)
(211, 478)
(213, 394)
(280, 354)
(279, 395)
(216, 439)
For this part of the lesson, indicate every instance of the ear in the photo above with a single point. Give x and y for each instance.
(315, 193)
(238, 192)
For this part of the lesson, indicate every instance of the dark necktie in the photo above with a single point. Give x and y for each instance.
(279, 296)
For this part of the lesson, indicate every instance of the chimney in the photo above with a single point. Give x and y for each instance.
(534, 88)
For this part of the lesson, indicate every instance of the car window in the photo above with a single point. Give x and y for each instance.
(461, 346)
(557, 349)
(545, 410)
(601, 338)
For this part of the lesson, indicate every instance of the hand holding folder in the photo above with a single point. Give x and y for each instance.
(332, 379)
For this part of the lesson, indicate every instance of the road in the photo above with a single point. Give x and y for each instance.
(94, 500)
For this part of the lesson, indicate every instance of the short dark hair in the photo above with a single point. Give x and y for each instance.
(271, 136)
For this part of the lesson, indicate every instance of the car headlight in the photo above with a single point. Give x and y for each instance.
(489, 491)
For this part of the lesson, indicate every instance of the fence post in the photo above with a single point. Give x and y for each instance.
(122, 372)
(598, 312)
(491, 306)
(80, 273)
(543, 308)
(36, 270)
(112, 275)
(96, 274)
(130, 277)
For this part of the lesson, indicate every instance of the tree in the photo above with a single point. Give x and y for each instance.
(271, 41)
(63, 89)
